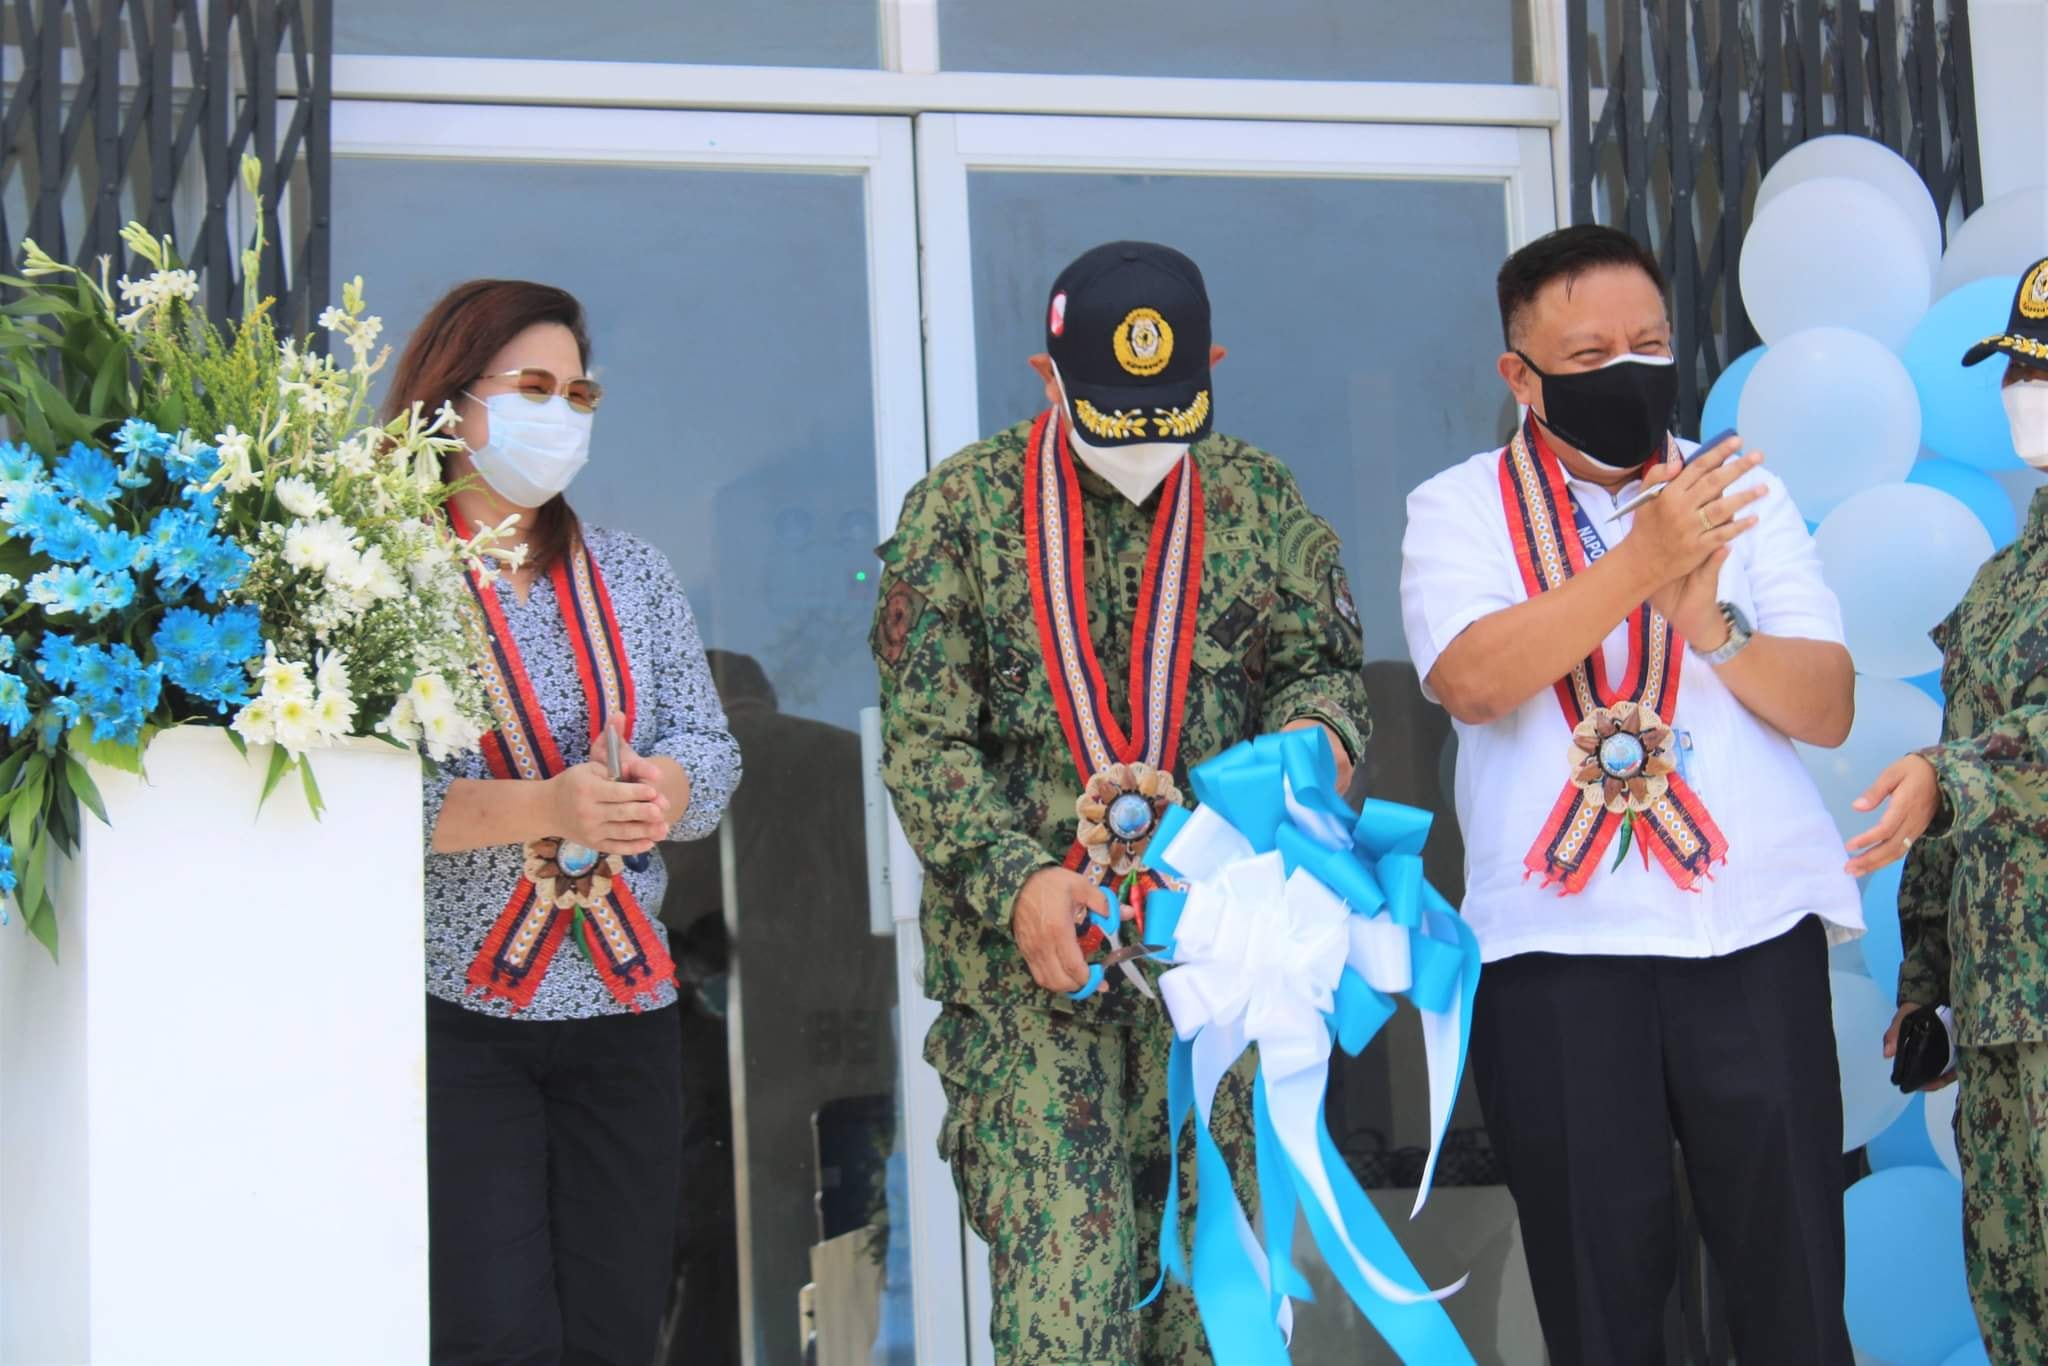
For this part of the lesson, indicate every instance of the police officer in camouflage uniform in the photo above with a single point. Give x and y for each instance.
(1971, 817)
(1056, 1109)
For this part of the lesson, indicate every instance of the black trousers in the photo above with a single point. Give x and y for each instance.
(553, 1152)
(1589, 1067)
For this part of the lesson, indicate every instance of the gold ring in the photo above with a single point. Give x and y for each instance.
(1705, 525)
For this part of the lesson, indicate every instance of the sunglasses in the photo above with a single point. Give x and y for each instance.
(532, 382)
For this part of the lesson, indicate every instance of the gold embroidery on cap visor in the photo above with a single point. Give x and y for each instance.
(1183, 422)
(2025, 346)
(1144, 342)
(2034, 294)
(1117, 426)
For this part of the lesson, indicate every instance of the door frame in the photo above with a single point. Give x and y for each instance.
(879, 150)
(950, 147)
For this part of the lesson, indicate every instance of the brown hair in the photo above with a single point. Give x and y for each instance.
(452, 345)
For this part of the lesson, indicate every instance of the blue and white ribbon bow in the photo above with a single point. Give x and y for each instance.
(1299, 925)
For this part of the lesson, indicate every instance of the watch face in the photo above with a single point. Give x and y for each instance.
(1737, 619)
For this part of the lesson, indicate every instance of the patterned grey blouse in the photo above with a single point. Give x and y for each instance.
(678, 716)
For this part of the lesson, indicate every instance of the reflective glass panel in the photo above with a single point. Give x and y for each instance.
(736, 435)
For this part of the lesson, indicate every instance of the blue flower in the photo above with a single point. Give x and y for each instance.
(38, 514)
(14, 712)
(51, 723)
(6, 649)
(138, 438)
(19, 466)
(184, 632)
(222, 567)
(206, 656)
(63, 590)
(114, 550)
(70, 542)
(114, 592)
(6, 867)
(97, 676)
(238, 634)
(57, 659)
(89, 476)
(190, 460)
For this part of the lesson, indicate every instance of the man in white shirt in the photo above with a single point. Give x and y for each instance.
(1651, 873)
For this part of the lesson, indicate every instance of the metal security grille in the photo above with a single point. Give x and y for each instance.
(1678, 107)
(115, 110)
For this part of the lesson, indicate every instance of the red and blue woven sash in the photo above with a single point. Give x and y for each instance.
(1675, 826)
(625, 949)
(1163, 633)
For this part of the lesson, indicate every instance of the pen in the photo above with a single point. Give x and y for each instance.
(1647, 494)
(636, 862)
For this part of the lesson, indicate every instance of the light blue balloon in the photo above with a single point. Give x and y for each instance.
(1971, 1353)
(1833, 410)
(1883, 950)
(1961, 415)
(1907, 1299)
(1862, 1013)
(1974, 489)
(1724, 398)
(1906, 1143)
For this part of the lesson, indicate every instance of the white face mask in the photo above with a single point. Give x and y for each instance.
(1134, 470)
(2026, 408)
(534, 449)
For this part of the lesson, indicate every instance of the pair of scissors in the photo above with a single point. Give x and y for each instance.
(1122, 957)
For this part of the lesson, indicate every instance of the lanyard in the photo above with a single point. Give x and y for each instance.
(1588, 537)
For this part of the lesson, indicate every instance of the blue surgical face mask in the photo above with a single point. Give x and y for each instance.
(534, 449)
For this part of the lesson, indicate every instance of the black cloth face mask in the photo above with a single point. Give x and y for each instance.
(1618, 414)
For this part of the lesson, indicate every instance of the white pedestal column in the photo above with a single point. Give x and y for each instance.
(213, 1108)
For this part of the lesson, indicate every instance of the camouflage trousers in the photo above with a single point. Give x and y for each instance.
(2002, 1139)
(1056, 1132)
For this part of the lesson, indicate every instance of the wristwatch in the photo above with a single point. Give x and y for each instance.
(1739, 635)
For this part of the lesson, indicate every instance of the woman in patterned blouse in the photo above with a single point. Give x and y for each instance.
(554, 1113)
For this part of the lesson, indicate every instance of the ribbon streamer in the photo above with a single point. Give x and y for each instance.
(1299, 927)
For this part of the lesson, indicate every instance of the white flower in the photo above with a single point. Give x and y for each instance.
(299, 497)
(9, 585)
(333, 674)
(431, 697)
(283, 678)
(402, 724)
(256, 723)
(237, 472)
(379, 579)
(317, 545)
(334, 713)
(333, 319)
(298, 729)
(448, 733)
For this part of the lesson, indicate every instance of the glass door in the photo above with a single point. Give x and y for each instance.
(1351, 270)
(751, 282)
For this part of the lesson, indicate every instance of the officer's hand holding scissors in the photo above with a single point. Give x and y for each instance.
(1052, 903)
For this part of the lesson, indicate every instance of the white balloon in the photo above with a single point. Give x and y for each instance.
(1873, 163)
(2003, 237)
(1892, 719)
(1834, 412)
(1835, 252)
(1870, 1103)
(1941, 1128)
(1899, 558)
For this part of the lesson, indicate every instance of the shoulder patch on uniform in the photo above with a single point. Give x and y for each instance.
(1307, 549)
(902, 608)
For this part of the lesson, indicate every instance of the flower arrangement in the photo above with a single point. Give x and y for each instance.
(203, 525)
